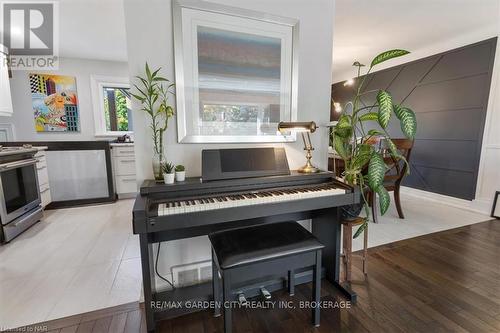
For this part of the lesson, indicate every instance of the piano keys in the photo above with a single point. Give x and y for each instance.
(230, 200)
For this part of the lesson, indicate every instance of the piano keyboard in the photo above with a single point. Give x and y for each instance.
(246, 199)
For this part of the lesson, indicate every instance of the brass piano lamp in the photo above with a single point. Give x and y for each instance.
(304, 128)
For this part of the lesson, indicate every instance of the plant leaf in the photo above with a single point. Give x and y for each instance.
(384, 100)
(374, 132)
(398, 109)
(392, 148)
(344, 120)
(384, 198)
(384, 56)
(360, 229)
(369, 116)
(408, 122)
(363, 155)
(153, 75)
(139, 90)
(358, 64)
(148, 72)
(344, 132)
(376, 171)
(343, 127)
(140, 98)
(340, 147)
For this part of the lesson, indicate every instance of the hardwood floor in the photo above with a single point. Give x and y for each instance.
(443, 282)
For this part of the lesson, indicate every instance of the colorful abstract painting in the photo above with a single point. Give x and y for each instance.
(55, 103)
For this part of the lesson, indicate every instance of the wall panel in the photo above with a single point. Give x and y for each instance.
(449, 94)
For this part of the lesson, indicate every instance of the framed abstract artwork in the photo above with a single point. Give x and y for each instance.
(55, 103)
(236, 73)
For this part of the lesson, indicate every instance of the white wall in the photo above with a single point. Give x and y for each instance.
(489, 176)
(82, 69)
(149, 38)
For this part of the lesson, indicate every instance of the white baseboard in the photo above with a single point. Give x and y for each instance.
(482, 206)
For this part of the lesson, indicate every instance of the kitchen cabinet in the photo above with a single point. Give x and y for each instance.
(5, 96)
(43, 177)
(123, 160)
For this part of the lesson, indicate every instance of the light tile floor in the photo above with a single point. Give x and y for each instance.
(75, 260)
(82, 259)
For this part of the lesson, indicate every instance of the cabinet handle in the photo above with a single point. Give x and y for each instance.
(125, 180)
(127, 161)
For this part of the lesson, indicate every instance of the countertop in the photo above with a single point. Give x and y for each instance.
(119, 144)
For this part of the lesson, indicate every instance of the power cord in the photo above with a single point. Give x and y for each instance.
(156, 267)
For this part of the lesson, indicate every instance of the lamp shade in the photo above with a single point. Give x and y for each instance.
(297, 126)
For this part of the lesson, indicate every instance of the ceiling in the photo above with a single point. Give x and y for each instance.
(89, 29)
(364, 28)
(92, 29)
(95, 29)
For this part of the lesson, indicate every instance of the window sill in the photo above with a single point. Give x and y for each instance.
(112, 134)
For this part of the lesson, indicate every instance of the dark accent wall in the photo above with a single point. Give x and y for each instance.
(449, 94)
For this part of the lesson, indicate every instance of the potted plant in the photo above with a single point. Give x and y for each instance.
(364, 164)
(180, 173)
(153, 93)
(168, 173)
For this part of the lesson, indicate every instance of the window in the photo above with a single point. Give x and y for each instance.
(117, 112)
(112, 105)
(238, 119)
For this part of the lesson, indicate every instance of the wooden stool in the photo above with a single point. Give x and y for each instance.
(347, 226)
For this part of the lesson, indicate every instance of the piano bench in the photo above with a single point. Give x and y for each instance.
(258, 251)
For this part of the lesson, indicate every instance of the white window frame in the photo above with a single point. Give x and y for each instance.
(98, 83)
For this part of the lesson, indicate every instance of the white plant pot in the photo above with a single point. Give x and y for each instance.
(169, 178)
(180, 176)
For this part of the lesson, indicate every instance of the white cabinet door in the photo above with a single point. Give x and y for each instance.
(124, 166)
(126, 184)
(5, 97)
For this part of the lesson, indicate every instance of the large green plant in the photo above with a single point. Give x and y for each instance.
(351, 140)
(153, 93)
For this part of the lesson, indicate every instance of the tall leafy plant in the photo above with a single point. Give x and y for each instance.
(364, 165)
(153, 93)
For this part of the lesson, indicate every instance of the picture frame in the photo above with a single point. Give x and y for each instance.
(236, 73)
(495, 211)
(55, 103)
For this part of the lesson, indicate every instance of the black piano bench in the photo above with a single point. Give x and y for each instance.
(258, 251)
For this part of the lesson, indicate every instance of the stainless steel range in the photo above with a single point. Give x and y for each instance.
(19, 192)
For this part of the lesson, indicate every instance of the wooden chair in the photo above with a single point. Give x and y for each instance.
(395, 174)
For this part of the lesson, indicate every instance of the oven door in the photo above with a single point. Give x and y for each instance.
(19, 192)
